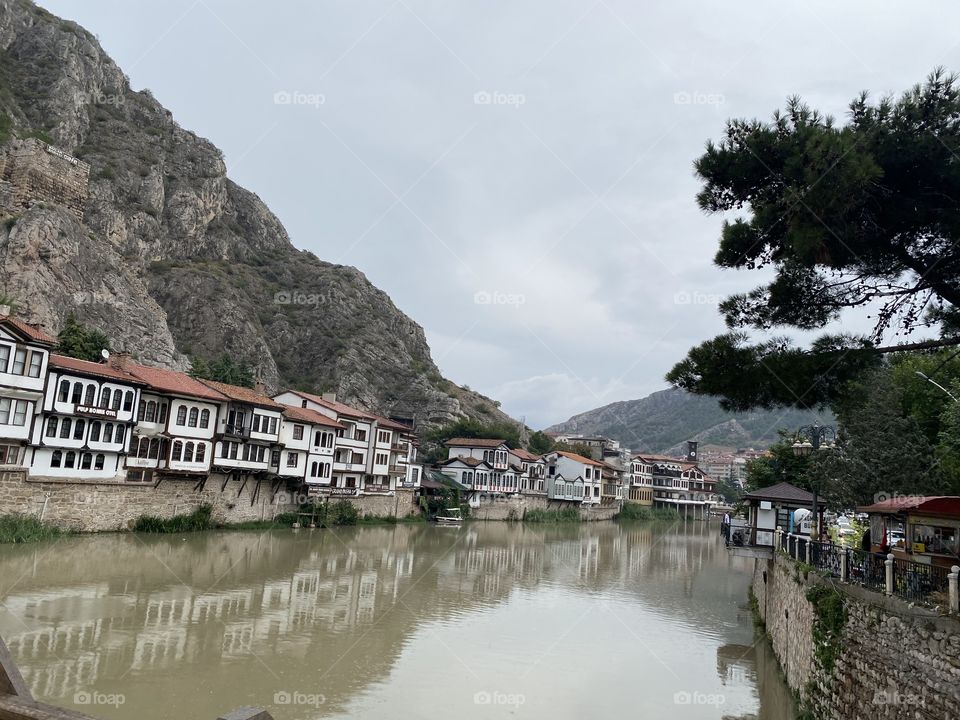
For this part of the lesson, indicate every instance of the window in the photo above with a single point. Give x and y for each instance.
(275, 457)
(117, 399)
(383, 436)
(357, 459)
(234, 447)
(56, 459)
(70, 460)
(51, 427)
(204, 418)
(274, 424)
(154, 452)
(151, 413)
(201, 453)
(381, 458)
(88, 396)
(194, 414)
(64, 392)
(360, 435)
(36, 364)
(77, 396)
(5, 404)
(105, 398)
(182, 415)
(188, 452)
(118, 435)
(177, 451)
(85, 461)
(98, 461)
(4, 357)
(303, 403)
(128, 401)
(292, 459)
(65, 428)
(141, 410)
(19, 361)
(78, 430)
(298, 432)
(314, 468)
(9, 454)
(162, 414)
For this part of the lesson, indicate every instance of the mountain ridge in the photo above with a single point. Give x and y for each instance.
(173, 259)
(663, 420)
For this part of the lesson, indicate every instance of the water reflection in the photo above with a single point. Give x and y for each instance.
(422, 621)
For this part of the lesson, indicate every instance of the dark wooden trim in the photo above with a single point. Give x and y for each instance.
(11, 681)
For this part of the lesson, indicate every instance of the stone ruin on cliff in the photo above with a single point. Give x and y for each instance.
(32, 171)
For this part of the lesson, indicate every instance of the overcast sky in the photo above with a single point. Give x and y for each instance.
(516, 175)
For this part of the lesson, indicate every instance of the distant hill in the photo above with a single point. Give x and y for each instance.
(662, 421)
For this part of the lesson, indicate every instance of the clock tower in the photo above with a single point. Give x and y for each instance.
(692, 455)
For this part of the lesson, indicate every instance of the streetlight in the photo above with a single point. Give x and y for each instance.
(809, 439)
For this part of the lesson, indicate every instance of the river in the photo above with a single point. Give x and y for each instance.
(596, 620)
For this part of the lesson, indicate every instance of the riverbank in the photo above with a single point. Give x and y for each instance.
(15, 529)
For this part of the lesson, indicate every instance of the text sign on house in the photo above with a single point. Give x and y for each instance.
(92, 411)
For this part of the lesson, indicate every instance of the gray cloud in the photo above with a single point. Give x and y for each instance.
(540, 152)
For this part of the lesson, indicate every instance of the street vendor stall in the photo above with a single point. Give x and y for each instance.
(922, 529)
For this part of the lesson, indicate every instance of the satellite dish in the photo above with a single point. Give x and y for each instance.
(105, 354)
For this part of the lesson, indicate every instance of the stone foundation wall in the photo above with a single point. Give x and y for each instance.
(37, 172)
(90, 507)
(401, 504)
(892, 661)
(515, 507)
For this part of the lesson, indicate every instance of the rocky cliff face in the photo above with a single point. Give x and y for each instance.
(172, 258)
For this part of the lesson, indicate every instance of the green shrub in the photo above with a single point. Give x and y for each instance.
(553, 516)
(199, 519)
(23, 529)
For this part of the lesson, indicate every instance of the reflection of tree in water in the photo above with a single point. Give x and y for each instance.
(755, 666)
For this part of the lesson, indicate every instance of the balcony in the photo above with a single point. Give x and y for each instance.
(397, 470)
(240, 431)
(398, 447)
(348, 466)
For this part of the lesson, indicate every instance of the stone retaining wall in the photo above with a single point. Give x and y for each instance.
(34, 171)
(891, 662)
(90, 507)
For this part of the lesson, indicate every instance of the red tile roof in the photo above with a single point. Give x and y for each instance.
(31, 332)
(474, 442)
(172, 381)
(936, 505)
(394, 425)
(527, 456)
(85, 367)
(242, 394)
(338, 407)
(309, 416)
(579, 458)
(469, 461)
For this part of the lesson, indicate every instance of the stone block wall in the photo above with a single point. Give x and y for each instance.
(37, 172)
(892, 661)
(91, 507)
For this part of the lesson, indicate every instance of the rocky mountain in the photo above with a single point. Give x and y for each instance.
(172, 259)
(661, 422)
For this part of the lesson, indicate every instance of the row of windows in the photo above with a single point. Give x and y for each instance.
(498, 457)
(496, 479)
(85, 394)
(383, 436)
(264, 424)
(319, 469)
(381, 459)
(568, 489)
(110, 432)
(69, 459)
(188, 452)
(11, 454)
(243, 451)
(152, 411)
(13, 412)
(25, 362)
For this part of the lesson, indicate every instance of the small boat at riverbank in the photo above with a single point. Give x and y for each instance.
(453, 517)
